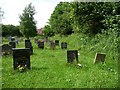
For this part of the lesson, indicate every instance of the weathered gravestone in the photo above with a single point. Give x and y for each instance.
(99, 58)
(64, 45)
(12, 44)
(29, 45)
(52, 45)
(56, 42)
(6, 49)
(72, 55)
(40, 44)
(21, 57)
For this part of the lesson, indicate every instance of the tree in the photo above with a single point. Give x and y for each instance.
(48, 32)
(27, 23)
(60, 20)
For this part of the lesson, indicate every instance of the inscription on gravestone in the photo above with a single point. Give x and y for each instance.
(64, 45)
(52, 45)
(21, 57)
(99, 58)
(6, 49)
(72, 55)
(40, 44)
(12, 44)
(29, 45)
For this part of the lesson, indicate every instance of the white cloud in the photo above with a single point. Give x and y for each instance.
(13, 8)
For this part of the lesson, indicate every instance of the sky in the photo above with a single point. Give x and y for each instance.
(13, 8)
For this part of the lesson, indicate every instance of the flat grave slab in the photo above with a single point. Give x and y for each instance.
(21, 57)
(99, 57)
(72, 55)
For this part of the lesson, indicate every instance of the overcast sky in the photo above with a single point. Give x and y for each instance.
(13, 8)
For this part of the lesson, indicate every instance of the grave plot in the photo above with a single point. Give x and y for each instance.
(72, 55)
(6, 49)
(52, 45)
(29, 45)
(56, 42)
(64, 45)
(12, 44)
(99, 58)
(21, 58)
(40, 44)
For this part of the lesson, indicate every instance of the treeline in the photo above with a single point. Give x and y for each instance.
(11, 30)
(89, 18)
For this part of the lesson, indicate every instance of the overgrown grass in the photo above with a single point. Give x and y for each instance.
(49, 68)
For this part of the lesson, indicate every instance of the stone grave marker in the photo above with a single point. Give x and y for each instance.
(21, 57)
(72, 55)
(40, 44)
(6, 49)
(52, 45)
(29, 45)
(56, 42)
(35, 40)
(99, 58)
(64, 45)
(12, 44)
(12, 38)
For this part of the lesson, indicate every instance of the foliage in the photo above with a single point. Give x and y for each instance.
(10, 30)
(48, 32)
(27, 23)
(60, 20)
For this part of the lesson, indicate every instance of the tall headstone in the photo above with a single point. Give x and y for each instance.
(29, 45)
(72, 55)
(21, 57)
(52, 45)
(64, 45)
(99, 58)
(40, 44)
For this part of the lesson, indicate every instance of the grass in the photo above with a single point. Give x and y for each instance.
(49, 68)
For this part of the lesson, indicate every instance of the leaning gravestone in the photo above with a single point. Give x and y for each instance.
(52, 45)
(64, 45)
(99, 58)
(21, 57)
(29, 45)
(40, 44)
(6, 49)
(56, 42)
(72, 55)
(12, 44)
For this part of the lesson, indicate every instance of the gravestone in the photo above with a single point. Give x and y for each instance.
(6, 49)
(72, 55)
(64, 45)
(21, 57)
(12, 38)
(56, 42)
(40, 44)
(99, 58)
(52, 45)
(29, 45)
(12, 44)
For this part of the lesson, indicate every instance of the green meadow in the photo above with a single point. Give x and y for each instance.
(49, 68)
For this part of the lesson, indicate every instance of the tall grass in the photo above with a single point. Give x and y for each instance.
(49, 68)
